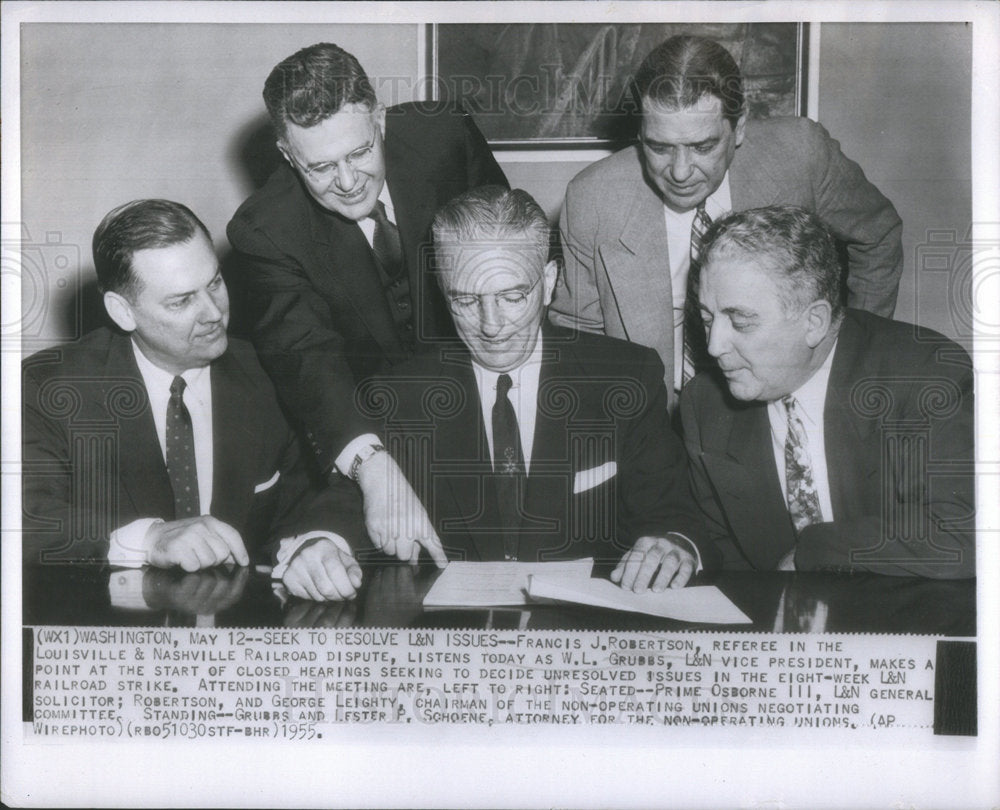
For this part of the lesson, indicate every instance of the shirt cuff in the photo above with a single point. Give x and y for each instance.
(354, 447)
(290, 546)
(692, 546)
(125, 590)
(129, 546)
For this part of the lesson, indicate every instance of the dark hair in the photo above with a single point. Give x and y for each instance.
(801, 248)
(681, 71)
(493, 213)
(314, 83)
(139, 225)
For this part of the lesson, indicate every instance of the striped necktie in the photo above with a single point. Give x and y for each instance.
(692, 321)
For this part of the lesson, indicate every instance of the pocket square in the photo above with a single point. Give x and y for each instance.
(270, 482)
(588, 479)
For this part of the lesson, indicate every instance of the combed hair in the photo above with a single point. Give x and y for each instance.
(134, 226)
(801, 249)
(313, 84)
(493, 214)
(682, 70)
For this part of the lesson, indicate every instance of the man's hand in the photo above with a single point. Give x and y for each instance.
(195, 543)
(322, 572)
(396, 520)
(787, 563)
(638, 569)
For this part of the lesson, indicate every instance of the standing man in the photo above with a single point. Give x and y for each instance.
(827, 438)
(164, 444)
(333, 249)
(632, 223)
(531, 442)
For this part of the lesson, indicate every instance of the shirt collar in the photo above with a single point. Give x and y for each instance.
(486, 378)
(811, 395)
(158, 380)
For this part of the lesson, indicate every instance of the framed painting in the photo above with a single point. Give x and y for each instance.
(569, 85)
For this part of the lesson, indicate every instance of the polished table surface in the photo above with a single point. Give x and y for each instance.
(392, 593)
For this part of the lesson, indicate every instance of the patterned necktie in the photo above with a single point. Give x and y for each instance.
(800, 488)
(692, 320)
(180, 454)
(508, 465)
(385, 242)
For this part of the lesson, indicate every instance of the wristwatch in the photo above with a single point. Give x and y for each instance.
(361, 457)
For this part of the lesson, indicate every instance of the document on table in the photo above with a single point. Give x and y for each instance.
(701, 603)
(491, 584)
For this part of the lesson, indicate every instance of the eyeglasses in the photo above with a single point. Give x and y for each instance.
(510, 302)
(325, 172)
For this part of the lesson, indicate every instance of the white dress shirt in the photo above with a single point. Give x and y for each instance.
(129, 545)
(367, 224)
(810, 401)
(718, 204)
(523, 396)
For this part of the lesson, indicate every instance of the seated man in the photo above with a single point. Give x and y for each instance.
(528, 441)
(164, 443)
(828, 438)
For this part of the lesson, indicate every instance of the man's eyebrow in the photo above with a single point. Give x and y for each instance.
(743, 313)
(712, 141)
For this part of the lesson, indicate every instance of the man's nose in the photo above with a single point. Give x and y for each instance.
(490, 317)
(347, 176)
(681, 166)
(715, 338)
(211, 308)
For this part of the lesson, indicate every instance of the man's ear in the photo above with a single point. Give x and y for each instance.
(283, 148)
(740, 129)
(380, 118)
(120, 311)
(551, 275)
(819, 319)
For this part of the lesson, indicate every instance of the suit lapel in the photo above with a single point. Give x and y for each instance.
(142, 472)
(747, 480)
(460, 445)
(234, 441)
(347, 271)
(852, 466)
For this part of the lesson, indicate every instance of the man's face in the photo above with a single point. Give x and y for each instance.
(497, 295)
(763, 350)
(341, 160)
(687, 151)
(180, 313)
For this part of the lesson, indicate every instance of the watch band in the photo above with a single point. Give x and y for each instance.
(361, 457)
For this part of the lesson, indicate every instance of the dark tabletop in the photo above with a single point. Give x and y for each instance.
(392, 593)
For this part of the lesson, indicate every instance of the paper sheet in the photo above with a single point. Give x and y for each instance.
(701, 603)
(489, 584)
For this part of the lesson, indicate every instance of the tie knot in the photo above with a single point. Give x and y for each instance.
(378, 213)
(789, 402)
(177, 386)
(504, 384)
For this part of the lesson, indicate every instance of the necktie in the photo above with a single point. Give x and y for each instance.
(800, 489)
(385, 242)
(508, 465)
(180, 454)
(694, 352)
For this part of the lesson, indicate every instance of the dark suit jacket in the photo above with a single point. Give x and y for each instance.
(617, 280)
(898, 423)
(600, 401)
(92, 461)
(322, 321)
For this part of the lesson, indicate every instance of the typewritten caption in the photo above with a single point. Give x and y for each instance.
(298, 684)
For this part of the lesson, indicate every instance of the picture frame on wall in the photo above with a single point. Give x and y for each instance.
(569, 85)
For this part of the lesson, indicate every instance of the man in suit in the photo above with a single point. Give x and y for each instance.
(333, 251)
(529, 442)
(164, 444)
(631, 223)
(827, 438)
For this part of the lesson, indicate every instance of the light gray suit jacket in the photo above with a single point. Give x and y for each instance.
(616, 277)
